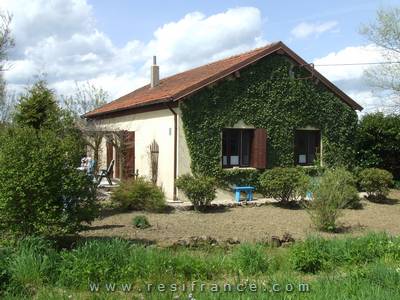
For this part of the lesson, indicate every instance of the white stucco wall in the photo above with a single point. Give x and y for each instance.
(157, 125)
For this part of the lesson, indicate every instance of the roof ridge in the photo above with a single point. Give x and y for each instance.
(220, 60)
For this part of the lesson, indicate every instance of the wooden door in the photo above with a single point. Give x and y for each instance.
(129, 170)
(110, 153)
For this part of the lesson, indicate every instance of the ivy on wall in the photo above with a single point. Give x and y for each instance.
(266, 96)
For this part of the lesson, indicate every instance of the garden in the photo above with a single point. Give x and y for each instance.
(326, 232)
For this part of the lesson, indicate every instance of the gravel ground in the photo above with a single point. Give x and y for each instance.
(245, 223)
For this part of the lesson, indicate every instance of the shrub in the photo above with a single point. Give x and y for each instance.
(140, 222)
(200, 190)
(310, 256)
(376, 182)
(336, 190)
(139, 194)
(284, 184)
(378, 142)
(41, 192)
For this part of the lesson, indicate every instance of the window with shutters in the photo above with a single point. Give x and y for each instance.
(307, 146)
(244, 148)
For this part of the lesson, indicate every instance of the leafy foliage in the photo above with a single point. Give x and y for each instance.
(316, 254)
(284, 184)
(200, 190)
(239, 177)
(384, 32)
(41, 192)
(266, 96)
(376, 182)
(250, 259)
(141, 222)
(38, 107)
(342, 267)
(378, 142)
(335, 191)
(139, 194)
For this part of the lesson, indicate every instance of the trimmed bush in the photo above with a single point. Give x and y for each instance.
(139, 194)
(200, 190)
(141, 222)
(376, 182)
(284, 184)
(335, 191)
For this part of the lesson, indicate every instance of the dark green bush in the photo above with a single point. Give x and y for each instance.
(140, 222)
(200, 190)
(376, 182)
(284, 184)
(139, 194)
(41, 192)
(335, 191)
(378, 142)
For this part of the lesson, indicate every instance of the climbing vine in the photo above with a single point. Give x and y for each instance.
(267, 96)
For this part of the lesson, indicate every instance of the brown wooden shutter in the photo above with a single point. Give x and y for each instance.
(259, 149)
(130, 155)
(117, 169)
(110, 153)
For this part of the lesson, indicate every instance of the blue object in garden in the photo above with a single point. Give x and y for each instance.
(309, 195)
(247, 189)
(91, 168)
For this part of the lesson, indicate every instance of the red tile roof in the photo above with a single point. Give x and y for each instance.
(177, 86)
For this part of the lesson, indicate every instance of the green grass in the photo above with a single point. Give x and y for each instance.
(365, 267)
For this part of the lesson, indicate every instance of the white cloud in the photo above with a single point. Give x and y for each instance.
(307, 29)
(60, 39)
(350, 78)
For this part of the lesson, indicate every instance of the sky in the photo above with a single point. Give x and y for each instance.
(110, 43)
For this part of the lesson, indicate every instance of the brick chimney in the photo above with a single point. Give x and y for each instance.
(155, 73)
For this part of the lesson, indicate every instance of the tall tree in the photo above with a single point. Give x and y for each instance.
(385, 33)
(6, 42)
(37, 107)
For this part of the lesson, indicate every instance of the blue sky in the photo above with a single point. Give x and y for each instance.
(110, 43)
(124, 20)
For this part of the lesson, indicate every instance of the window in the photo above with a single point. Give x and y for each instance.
(236, 147)
(306, 146)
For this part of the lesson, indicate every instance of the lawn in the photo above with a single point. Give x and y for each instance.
(366, 267)
(247, 224)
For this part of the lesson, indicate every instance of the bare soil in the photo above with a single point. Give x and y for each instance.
(246, 223)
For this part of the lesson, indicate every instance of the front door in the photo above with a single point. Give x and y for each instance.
(130, 155)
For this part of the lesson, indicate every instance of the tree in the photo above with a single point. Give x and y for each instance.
(38, 107)
(41, 191)
(86, 98)
(6, 42)
(385, 33)
(378, 142)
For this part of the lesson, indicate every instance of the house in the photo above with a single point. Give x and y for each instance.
(252, 111)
